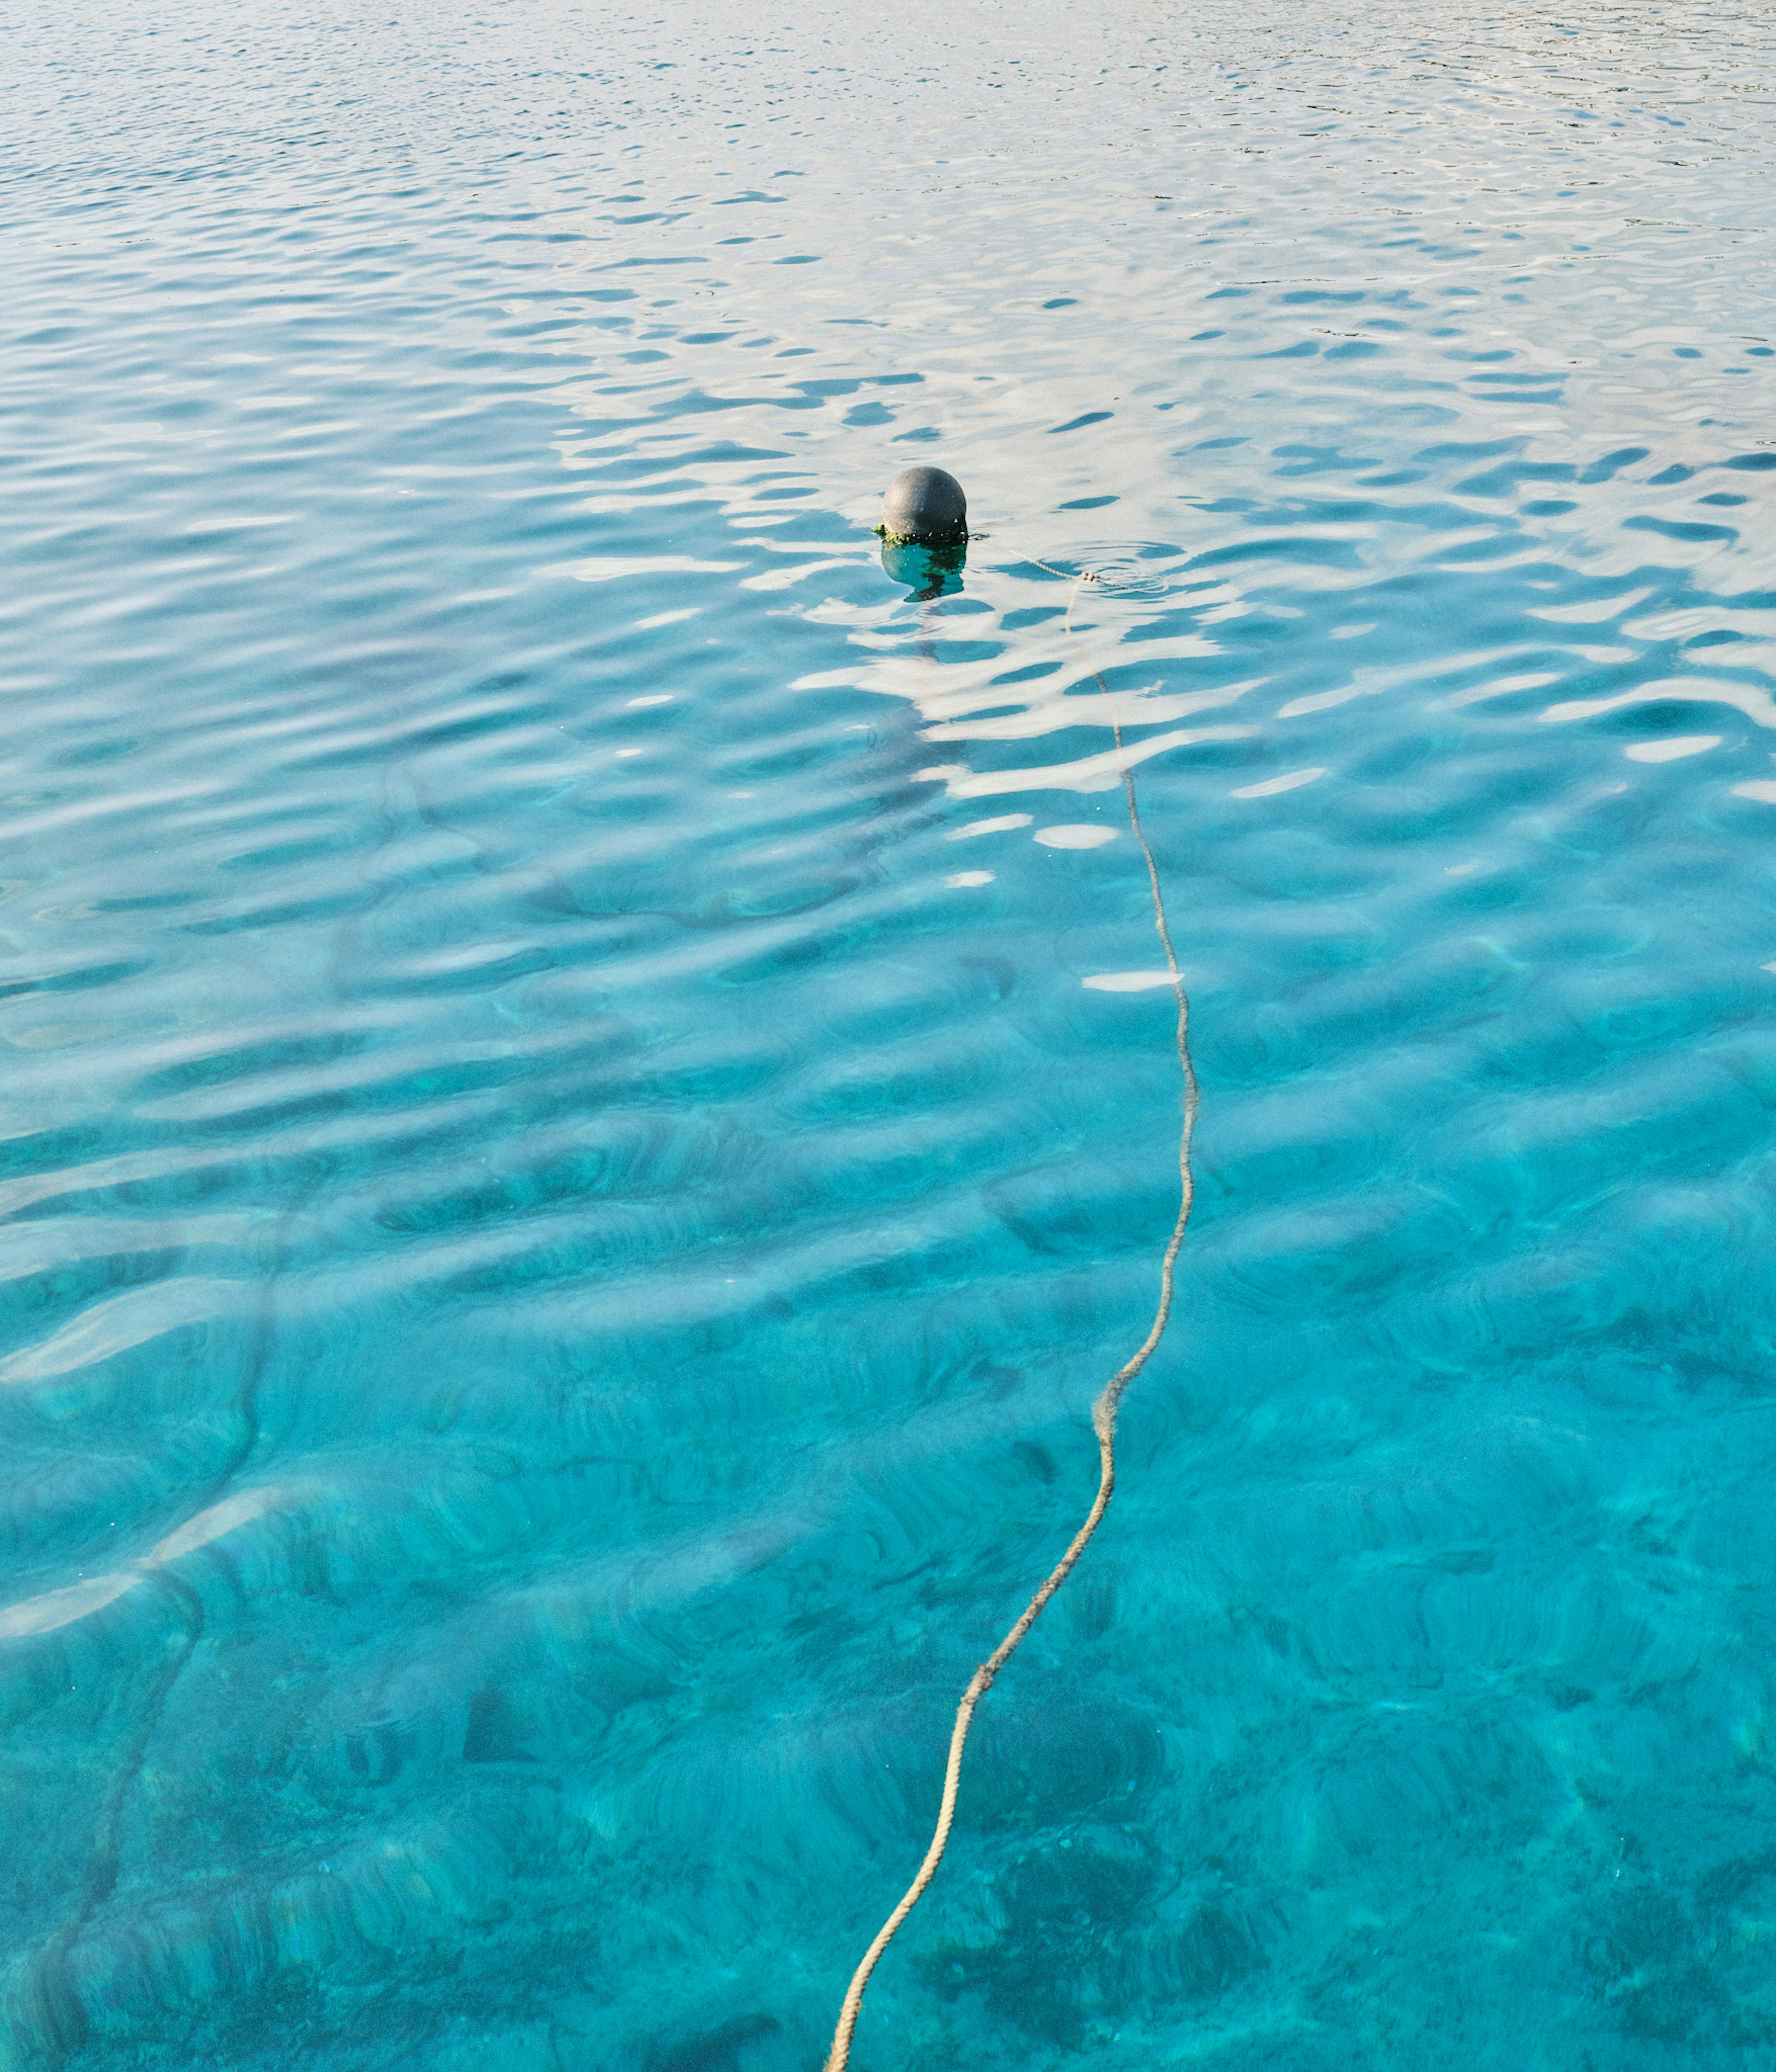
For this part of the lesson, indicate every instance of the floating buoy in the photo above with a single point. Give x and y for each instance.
(926, 505)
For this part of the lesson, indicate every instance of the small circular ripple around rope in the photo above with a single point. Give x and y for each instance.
(1104, 1412)
(1138, 570)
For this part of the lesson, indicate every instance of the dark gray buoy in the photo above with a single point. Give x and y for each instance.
(926, 504)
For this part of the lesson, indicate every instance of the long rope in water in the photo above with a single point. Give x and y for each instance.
(1103, 1423)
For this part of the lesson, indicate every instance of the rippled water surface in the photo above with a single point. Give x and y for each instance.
(585, 1108)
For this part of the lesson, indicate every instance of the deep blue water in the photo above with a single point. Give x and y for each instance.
(583, 1111)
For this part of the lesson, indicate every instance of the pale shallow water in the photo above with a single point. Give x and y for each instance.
(585, 1106)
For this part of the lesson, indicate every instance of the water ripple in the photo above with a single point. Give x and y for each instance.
(587, 1101)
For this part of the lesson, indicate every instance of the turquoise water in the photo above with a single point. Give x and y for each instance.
(584, 1111)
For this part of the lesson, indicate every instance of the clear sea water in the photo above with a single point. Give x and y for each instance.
(583, 1118)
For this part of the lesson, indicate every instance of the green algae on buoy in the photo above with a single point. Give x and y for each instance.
(927, 570)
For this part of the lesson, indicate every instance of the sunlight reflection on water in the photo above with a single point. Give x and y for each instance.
(568, 1170)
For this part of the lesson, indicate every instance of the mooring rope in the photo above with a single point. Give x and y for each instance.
(1103, 1423)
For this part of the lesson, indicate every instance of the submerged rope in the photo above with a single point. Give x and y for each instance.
(1103, 1423)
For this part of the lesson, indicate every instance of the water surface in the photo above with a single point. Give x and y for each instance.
(584, 1109)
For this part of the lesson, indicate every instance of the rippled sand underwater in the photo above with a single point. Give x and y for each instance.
(585, 1105)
